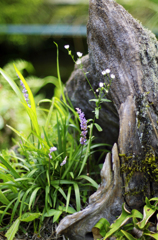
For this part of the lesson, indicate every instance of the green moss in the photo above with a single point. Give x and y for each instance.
(136, 191)
(148, 166)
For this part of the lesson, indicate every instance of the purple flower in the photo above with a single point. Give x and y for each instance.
(52, 149)
(83, 125)
(24, 91)
(63, 162)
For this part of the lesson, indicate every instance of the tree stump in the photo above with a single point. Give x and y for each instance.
(118, 42)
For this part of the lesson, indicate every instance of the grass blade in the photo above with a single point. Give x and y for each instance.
(77, 195)
(31, 111)
(58, 74)
(13, 85)
(94, 184)
(3, 198)
(33, 196)
(47, 189)
(60, 190)
(68, 198)
(13, 172)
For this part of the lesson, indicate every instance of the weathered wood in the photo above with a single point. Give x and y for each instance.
(109, 194)
(118, 42)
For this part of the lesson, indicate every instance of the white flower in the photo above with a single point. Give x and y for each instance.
(103, 72)
(101, 84)
(107, 70)
(63, 162)
(78, 61)
(66, 46)
(112, 76)
(97, 90)
(79, 54)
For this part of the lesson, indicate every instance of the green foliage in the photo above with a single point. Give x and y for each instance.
(36, 182)
(122, 228)
(40, 12)
(12, 111)
(48, 12)
(22, 11)
(145, 11)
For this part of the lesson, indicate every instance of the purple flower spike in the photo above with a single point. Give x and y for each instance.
(52, 149)
(24, 91)
(83, 125)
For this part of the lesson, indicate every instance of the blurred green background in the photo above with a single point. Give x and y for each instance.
(38, 51)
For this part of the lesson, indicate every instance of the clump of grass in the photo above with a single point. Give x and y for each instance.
(46, 177)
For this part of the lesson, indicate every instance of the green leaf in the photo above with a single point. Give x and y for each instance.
(94, 184)
(31, 111)
(47, 175)
(60, 190)
(46, 137)
(47, 189)
(128, 235)
(72, 175)
(147, 213)
(19, 134)
(15, 206)
(5, 213)
(53, 212)
(68, 198)
(154, 199)
(3, 199)
(58, 182)
(94, 100)
(13, 229)
(30, 174)
(124, 217)
(96, 113)
(148, 204)
(8, 206)
(13, 172)
(129, 226)
(13, 85)
(105, 100)
(56, 216)
(28, 217)
(69, 210)
(154, 235)
(77, 195)
(102, 226)
(33, 196)
(58, 73)
(50, 213)
(22, 206)
(98, 127)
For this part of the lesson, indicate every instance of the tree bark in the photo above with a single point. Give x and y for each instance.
(118, 42)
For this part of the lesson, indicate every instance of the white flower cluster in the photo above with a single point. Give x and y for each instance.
(79, 54)
(107, 71)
